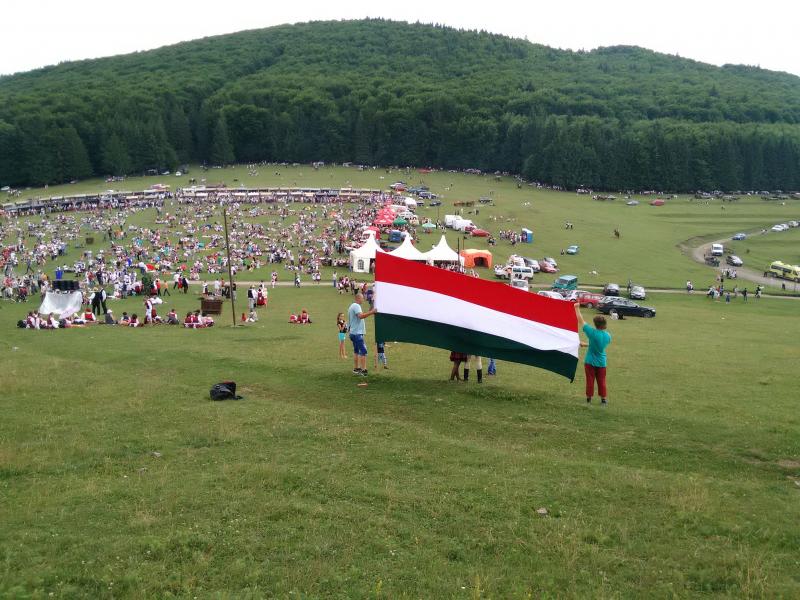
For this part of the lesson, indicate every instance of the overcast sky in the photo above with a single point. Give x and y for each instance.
(45, 32)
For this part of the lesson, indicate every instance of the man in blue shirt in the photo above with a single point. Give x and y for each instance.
(358, 328)
(595, 361)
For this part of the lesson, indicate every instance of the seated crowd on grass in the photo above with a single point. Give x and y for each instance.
(186, 243)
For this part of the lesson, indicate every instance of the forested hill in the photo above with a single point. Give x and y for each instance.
(381, 92)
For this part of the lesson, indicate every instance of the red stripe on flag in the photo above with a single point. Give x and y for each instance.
(490, 294)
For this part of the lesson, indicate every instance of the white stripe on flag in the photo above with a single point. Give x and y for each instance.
(404, 301)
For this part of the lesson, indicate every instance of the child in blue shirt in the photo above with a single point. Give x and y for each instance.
(380, 354)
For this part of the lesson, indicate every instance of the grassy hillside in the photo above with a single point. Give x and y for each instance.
(409, 487)
(380, 92)
(685, 485)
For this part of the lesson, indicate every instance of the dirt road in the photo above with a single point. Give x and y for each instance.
(745, 273)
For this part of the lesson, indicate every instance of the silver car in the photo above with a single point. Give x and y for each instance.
(637, 293)
(734, 260)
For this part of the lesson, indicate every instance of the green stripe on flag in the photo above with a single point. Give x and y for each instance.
(393, 328)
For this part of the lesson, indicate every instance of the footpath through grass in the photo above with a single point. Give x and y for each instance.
(411, 486)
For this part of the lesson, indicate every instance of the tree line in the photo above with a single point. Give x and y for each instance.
(379, 92)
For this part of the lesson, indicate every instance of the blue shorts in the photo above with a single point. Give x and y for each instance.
(341, 336)
(359, 348)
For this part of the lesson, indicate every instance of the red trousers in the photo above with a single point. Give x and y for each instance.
(593, 373)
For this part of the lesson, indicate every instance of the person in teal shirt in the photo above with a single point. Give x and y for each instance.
(595, 362)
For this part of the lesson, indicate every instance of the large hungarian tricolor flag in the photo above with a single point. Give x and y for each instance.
(433, 307)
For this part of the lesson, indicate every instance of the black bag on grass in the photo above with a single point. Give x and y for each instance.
(224, 391)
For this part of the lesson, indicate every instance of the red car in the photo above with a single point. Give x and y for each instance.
(546, 267)
(480, 233)
(589, 299)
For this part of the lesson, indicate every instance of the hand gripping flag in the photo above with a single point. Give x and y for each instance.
(433, 307)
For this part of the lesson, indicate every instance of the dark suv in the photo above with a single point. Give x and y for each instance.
(625, 308)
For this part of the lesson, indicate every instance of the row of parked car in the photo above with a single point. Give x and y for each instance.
(609, 302)
(520, 267)
(785, 226)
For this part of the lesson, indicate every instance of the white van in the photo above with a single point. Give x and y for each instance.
(462, 224)
(450, 219)
(520, 284)
(518, 272)
(717, 250)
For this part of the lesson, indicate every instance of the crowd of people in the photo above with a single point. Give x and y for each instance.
(719, 291)
(193, 319)
(186, 241)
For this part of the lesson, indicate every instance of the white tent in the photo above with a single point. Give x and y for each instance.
(442, 252)
(61, 304)
(361, 258)
(408, 251)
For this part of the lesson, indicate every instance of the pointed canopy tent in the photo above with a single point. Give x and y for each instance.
(361, 258)
(408, 251)
(442, 252)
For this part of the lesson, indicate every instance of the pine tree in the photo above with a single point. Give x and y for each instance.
(9, 155)
(221, 152)
(362, 153)
(116, 160)
(178, 133)
(38, 151)
(73, 159)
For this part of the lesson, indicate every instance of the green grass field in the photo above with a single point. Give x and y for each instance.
(686, 485)
(410, 487)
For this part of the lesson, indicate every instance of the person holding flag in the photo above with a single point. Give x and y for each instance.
(358, 329)
(595, 361)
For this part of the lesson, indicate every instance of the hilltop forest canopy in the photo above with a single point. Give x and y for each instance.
(381, 92)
